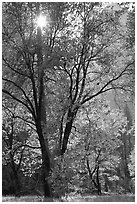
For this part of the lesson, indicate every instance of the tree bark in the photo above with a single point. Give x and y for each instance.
(17, 182)
(97, 180)
(15, 173)
(45, 162)
(106, 183)
(96, 172)
(91, 174)
(66, 136)
(70, 118)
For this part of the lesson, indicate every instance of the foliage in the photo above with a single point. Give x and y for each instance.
(99, 138)
(54, 79)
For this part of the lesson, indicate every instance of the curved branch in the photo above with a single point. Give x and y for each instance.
(25, 120)
(23, 74)
(18, 100)
(24, 93)
(25, 145)
(108, 83)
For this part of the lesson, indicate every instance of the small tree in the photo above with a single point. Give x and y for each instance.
(100, 139)
(14, 137)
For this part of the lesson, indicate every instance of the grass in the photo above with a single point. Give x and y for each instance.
(116, 198)
(111, 198)
(78, 198)
(22, 199)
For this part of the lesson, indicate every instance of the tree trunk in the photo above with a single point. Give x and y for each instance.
(106, 183)
(45, 162)
(70, 119)
(125, 168)
(15, 173)
(46, 186)
(45, 177)
(91, 174)
(17, 183)
(97, 180)
(66, 136)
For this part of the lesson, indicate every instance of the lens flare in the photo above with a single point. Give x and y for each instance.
(41, 21)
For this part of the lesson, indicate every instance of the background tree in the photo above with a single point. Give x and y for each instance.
(14, 137)
(98, 60)
(100, 128)
(131, 166)
(21, 151)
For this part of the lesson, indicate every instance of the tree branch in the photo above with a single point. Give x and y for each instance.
(18, 100)
(20, 160)
(23, 74)
(24, 93)
(25, 145)
(91, 173)
(108, 83)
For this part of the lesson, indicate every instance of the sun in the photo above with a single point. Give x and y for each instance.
(41, 21)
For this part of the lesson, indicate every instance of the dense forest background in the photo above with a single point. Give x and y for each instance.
(68, 98)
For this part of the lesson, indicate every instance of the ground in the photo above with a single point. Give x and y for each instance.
(78, 198)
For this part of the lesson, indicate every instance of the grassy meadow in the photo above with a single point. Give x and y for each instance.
(78, 198)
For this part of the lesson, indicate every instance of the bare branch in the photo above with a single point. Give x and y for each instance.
(108, 83)
(20, 73)
(18, 100)
(24, 93)
(25, 145)
(25, 120)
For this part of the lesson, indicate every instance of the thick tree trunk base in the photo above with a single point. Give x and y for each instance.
(47, 191)
(48, 200)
